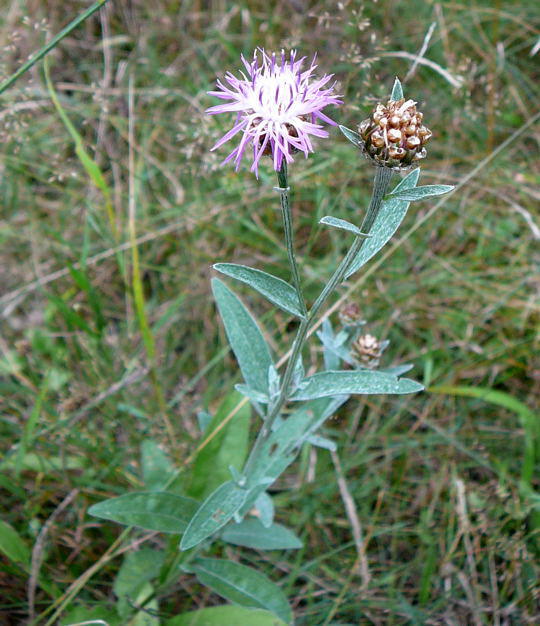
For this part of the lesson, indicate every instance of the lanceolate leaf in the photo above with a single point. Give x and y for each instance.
(252, 534)
(245, 338)
(213, 514)
(335, 222)
(421, 193)
(397, 90)
(151, 510)
(274, 289)
(327, 384)
(353, 137)
(242, 585)
(388, 220)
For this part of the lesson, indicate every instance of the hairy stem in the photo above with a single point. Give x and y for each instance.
(284, 191)
(382, 180)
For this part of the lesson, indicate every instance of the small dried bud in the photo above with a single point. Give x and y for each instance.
(413, 142)
(349, 315)
(394, 135)
(367, 350)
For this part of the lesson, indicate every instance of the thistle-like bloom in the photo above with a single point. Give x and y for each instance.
(278, 107)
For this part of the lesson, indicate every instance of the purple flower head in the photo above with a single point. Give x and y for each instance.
(278, 107)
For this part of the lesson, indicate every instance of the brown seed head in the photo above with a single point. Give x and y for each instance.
(367, 350)
(394, 135)
(350, 315)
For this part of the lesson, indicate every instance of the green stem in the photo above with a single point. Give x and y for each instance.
(52, 44)
(284, 190)
(382, 179)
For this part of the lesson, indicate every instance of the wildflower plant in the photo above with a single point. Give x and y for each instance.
(280, 104)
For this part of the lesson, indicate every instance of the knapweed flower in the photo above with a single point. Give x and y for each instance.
(394, 135)
(278, 106)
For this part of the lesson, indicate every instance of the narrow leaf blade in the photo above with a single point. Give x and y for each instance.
(353, 137)
(271, 287)
(252, 534)
(390, 216)
(336, 222)
(151, 510)
(397, 90)
(245, 337)
(242, 585)
(325, 384)
(421, 193)
(213, 514)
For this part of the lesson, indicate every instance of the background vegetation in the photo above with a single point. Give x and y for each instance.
(428, 514)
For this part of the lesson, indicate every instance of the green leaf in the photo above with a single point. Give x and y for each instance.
(241, 585)
(157, 468)
(420, 193)
(252, 534)
(12, 546)
(274, 289)
(353, 137)
(213, 513)
(335, 222)
(95, 615)
(226, 614)
(325, 384)
(397, 90)
(227, 448)
(246, 339)
(137, 570)
(161, 511)
(387, 222)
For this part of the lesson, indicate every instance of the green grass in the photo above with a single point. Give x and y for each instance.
(445, 484)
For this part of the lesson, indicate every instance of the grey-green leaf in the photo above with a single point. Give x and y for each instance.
(241, 585)
(265, 508)
(421, 193)
(161, 511)
(335, 222)
(397, 90)
(245, 337)
(252, 534)
(271, 287)
(325, 384)
(213, 514)
(392, 213)
(353, 137)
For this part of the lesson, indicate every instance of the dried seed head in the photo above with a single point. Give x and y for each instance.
(367, 350)
(350, 315)
(394, 135)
